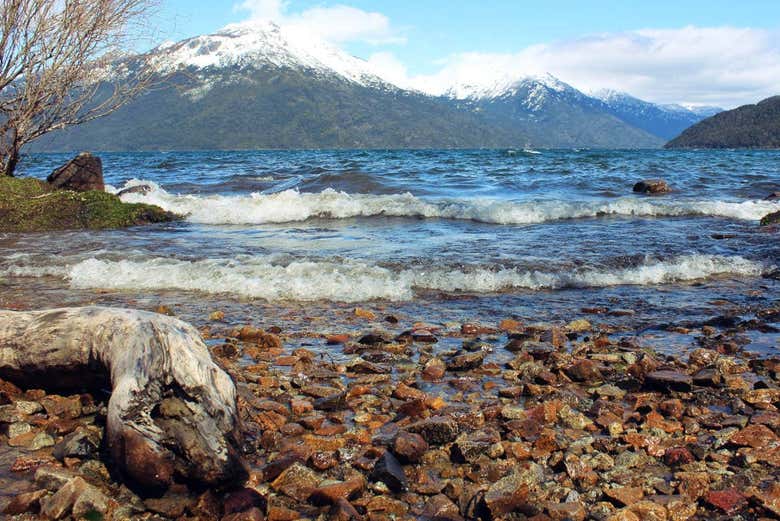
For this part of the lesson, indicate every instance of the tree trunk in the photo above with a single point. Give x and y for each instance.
(172, 411)
(10, 162)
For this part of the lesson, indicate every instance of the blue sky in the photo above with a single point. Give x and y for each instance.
(436, 42)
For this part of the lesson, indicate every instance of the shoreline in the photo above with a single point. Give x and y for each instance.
(573, 424)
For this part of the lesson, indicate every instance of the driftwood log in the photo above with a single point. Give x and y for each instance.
(172, 412)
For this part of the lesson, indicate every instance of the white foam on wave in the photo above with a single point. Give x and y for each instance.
(353, 281)
(294, 206)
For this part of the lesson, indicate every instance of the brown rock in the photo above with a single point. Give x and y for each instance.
(344, 511)
(170, 505)
(331, 493)
(756, 436)
(584, 371)
(440, 508)
(365, 314)
(625, 496)
(409, 447)
(65, 499)
(555, 336)
(673, 408)
(465, 361)
(675, 456)
(337, 339)
(509, 325)
(404, 392)
(693, 485)
(769, 497)
(296, 481)
(652, 186)
(571, 511)
(666, 380)
(436, 430)
(81, 174)
(469, 329)
(387, 505)
(468, 447)
(241, 500)
(434, 370)
(510, 492)
(63, 407)
(649, 511)
(27, 502)
(623, 515)
(253, 514)
(207, 506)
(728, 500)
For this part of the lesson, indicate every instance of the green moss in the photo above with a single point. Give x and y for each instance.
(30, 205)
(772, 218)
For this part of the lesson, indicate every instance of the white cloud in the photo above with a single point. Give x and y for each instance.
(386, 65)
(336, 24)
(724, 66)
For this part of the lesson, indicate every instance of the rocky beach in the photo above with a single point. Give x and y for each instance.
(504, 420)
(579, 349)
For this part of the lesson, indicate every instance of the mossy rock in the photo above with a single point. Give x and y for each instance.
(31, 205)
(772, 218)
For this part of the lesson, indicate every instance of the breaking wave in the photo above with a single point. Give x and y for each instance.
(294, 206)
(352, 281)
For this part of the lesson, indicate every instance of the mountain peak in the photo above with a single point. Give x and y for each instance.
(505, 86)
(261, 44)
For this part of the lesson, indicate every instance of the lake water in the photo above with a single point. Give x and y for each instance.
(301, 238)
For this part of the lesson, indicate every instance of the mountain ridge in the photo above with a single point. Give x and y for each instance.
(749, 126)
(259, 85)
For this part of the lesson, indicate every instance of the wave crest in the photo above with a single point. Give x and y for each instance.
(294, 206)
(352, 281)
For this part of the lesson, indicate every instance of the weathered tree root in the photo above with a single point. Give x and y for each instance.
(172, 411)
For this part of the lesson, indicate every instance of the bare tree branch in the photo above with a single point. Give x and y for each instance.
(61, 65)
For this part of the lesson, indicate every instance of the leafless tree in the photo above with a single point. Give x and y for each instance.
(60, 66)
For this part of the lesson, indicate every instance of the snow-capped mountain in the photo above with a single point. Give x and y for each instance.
(263, 43)
(666, 121)
(259, 85)
(507, 85)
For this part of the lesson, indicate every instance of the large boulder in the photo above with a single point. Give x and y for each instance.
(81, 174)
(652, 187)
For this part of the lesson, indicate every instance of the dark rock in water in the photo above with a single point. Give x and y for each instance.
(334, 402)
(584, 371)
(668, 381)
(140, 189)
(464, 362)
(81, 174)
(707, 377)
(652, 186)
(436, 430)
(773, 196)
(79, 444)
(389, 471)
(373, 339)
(772, 218)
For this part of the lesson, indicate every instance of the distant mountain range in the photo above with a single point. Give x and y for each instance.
(749, 126)
(254, 86)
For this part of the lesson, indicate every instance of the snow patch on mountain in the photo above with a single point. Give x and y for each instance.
(263, 43)
(506, 86)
